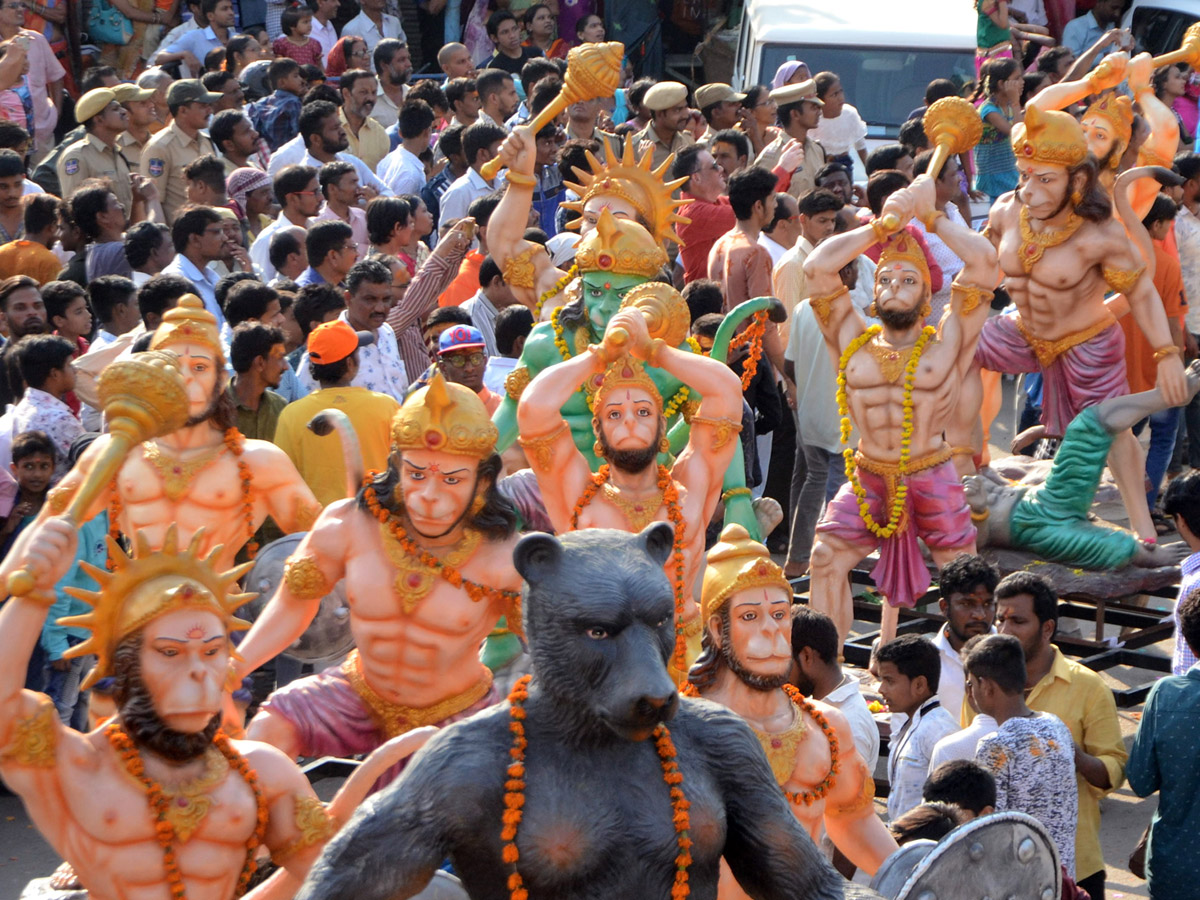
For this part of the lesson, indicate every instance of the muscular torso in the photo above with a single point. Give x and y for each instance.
(877, 404)
(1064, 292)
(419, 656)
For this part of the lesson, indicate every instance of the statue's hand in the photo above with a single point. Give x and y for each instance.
(1109, 73)
(1172, 382)
(519, 151)
(1139, 71)
(51, 552)
(900, 204)
(924, 193)
(627, 333)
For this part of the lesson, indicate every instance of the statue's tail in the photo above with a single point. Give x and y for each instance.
(331, 420)
(775, 312)
(1129, 217)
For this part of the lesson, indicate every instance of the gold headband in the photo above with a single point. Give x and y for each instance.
(736, 563)
(445, 417)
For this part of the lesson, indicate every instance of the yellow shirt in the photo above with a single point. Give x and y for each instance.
(371, 144)
(1079, 697)
(319, 459)
(29, 258)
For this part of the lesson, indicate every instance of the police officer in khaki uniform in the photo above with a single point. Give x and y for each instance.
(97, 155)
(667, 131)
(179, 143)
(139, 104)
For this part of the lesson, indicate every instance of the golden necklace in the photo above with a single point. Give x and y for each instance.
(1034, 244)
(892, 361)
(414, 577)
(781, 746)
(189, 803)
(178, 474)
(638, 513)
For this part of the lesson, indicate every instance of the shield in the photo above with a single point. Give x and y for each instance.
(328, 637)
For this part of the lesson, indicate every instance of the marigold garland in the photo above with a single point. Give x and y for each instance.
(752, 335)
(808, 798)
(906, 430)
(163, 829)
(670, 499)
(235, 443)
(514, 797)
(477, 592)
(554, 291)
(114, 519)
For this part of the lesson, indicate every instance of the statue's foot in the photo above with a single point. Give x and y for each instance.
(64, 879)
(769, 514)
(1156, 556)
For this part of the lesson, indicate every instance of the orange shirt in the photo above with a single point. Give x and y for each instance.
(1139, 355)
(466, 283)
(29, 258)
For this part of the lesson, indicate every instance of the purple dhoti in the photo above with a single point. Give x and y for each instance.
(334, 713)
(935, 511)
(1079, 370)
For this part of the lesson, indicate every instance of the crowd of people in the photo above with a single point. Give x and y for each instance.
(331, 211)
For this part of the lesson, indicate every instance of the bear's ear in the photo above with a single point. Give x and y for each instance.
(537, 555)
(658, 540)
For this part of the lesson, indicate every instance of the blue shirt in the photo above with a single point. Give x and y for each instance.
(1081, 33)
(310, 276)
(1183, 658)
(203, 280)
(276, 117)
(197, 43)
(92, 549)
(1163, 759)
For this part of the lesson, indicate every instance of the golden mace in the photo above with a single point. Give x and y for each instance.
(953, 126)
(142, 397)
(1188, 52)
(665, 312)
(593, 70)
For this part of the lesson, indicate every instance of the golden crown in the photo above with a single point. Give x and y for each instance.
(620, 247)
(1051, 137)
(633, 180)
(189, 323)
(626, 372)
(903, 248)
(445, 417)
(737, 562)
(147, 584)
(1118, 110)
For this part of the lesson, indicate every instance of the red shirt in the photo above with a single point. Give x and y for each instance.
(466, 282)
(709, 222)
(306, 54)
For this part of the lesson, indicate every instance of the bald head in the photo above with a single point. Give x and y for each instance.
(455, 60)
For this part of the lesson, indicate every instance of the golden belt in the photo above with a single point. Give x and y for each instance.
(1048, 351)
(394, 719)
(890, 473)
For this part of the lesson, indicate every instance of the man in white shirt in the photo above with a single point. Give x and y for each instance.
(480, 143)
(323, 139)
(968, 588)
(373, 25)
(402, 170)
(493, 295)
(323, 31)
(393, 66)
(299, 194)
(781, 233)
(841, 130)
(1187, 238)
(368, 299)
(818, 674)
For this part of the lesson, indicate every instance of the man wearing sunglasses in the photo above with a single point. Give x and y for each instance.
(462, 357)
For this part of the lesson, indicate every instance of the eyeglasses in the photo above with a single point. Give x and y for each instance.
(462, 360)
(306, 192)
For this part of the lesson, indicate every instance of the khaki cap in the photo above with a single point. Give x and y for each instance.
(794, 93)
(93, 103)
(664, 95)
(708, 94)
(128, 93)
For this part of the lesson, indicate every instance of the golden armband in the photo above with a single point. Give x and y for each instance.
(864, 800)
(1162, 353)
(34, 738)
(930, 221)
(59, 499)
(519, 269)
(516, 382)
(520, 179)
(971, 296)
(304, 578)
(723, 429)
(540, 450)
(315, 824)
(305, 514)
(823, 306)
(1121, 280)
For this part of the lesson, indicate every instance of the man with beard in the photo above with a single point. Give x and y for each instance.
(1061, 250)
(747, 656)
(206, 475)
(23, 309)
(967, 585)
(425, 550)
(899, 391)
(393, 65)
(367, 139)
(630, 491)
(158, 802)
(323, 140)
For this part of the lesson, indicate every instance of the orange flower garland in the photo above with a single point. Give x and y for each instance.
(514, 797)
(808, 798)
(165, 831)
(114, 519)
(753, 335)
(477, 592)
(670, 499)
(235, 444)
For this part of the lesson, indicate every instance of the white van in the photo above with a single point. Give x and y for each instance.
(1158, 25)
(885, 51)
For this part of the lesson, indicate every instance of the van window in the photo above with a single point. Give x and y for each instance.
(1159, 30)
(883, 84)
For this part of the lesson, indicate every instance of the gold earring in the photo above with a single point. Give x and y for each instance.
(598, 449)
(1076, 198)
(926, 309)
(873, 310)
(478, 504)
(664, 444)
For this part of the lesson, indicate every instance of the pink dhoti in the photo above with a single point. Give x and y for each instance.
(935, 510)
(335, 713)
(1079, 370)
